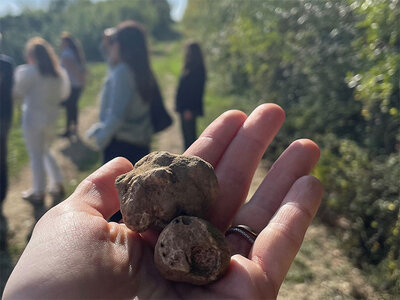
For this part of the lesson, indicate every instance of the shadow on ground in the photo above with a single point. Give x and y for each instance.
(81, 154)
(6, 265)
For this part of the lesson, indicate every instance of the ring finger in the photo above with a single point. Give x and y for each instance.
(296, 161)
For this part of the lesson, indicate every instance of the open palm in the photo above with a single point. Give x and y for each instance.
(75, 253)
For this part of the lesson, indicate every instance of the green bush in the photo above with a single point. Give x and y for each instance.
(334, 67)
(363, 191)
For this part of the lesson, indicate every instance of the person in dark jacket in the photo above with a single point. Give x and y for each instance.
(189, 97)
(6, 81)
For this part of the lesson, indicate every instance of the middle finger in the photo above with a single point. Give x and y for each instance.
(236, 168)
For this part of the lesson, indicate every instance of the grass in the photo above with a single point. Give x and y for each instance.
(17, 155)
(300, 272)
(167, 61)
(214, 105)
(97, 73)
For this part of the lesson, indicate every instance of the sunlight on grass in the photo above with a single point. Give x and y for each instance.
(167, 59)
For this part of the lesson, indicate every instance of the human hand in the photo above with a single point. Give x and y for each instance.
(92, 136)
(75, 253)
(93, 130)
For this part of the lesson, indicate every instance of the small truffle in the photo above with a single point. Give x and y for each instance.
(191, 250)
(163, 186)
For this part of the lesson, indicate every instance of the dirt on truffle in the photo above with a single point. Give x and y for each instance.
(163, 186)
(191, 250)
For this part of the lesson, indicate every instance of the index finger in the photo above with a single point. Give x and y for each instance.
(214, 140)
(98, 190)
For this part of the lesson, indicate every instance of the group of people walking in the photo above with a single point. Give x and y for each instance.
(125, 125)
(42, 84)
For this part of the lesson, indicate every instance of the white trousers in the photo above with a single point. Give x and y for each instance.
(38, 142)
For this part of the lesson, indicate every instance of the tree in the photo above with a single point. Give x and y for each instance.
(85, 19)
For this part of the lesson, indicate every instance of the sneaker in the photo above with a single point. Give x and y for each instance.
(31, 196)
(58, 191)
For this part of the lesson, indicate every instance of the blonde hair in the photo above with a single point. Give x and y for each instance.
(44, 55)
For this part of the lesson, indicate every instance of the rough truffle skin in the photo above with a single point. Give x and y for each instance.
(163, 186)
(191, 250)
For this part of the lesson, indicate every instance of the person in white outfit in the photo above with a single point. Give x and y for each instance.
(42, 84)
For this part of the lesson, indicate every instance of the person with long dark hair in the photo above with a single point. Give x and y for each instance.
(73, 60)
(189, 97)
(125, 127)
(42, 84)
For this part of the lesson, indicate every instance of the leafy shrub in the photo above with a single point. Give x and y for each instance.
(334, 67)
(364, 192)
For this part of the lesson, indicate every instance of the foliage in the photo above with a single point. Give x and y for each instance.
(85, 20)
(17, 156)
(376, 77)
(365, 193)
(334, 67)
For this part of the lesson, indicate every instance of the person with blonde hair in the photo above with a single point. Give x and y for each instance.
(42, 84)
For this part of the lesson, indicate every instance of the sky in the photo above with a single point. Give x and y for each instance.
(13, 6)
(177, 9)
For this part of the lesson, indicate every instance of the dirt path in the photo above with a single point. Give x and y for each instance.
(320, 270)
(20, 214)
(169, 139)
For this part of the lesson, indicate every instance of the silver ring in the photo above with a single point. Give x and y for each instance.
(245, 231)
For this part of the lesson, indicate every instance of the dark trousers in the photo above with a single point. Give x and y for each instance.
(131, 152)
(188, 131)
(71, 106)
(3, 163)
(120, 148)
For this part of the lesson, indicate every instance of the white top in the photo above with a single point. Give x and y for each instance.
(41, 95)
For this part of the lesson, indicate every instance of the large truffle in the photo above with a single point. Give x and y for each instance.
(163, 186)
(191, 250)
